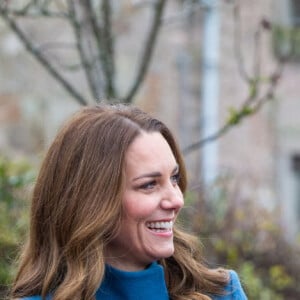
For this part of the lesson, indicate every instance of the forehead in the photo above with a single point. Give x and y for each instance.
(149, 151)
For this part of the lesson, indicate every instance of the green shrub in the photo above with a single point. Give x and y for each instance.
(15, 179)
(242, 235)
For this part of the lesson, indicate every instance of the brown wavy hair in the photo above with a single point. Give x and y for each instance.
(76, 210)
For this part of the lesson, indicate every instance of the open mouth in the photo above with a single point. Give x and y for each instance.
(160, 226)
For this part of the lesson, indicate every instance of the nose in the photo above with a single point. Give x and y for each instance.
(172, 198)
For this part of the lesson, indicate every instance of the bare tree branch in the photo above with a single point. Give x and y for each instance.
(42, 59)
(244, 111)
(148, 49)
(108, 47)
(237, 43)
(104, 40)
(254, 101)
(53, 47)
(32, 9)
(86, 47)
(94, 41)
(95, 46)
(257, 53)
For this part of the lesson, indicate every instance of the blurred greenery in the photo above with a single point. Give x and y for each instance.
(286, 41)
(242, 235)
(236, 233)
(15, 180)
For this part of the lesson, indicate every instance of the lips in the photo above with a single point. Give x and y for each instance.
(161, 226)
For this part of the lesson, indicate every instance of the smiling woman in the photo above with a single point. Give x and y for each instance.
(103, 217)
(151, 201)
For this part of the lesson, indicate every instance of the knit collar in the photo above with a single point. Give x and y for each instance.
(146, 284)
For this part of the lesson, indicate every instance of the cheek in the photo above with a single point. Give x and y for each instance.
(138, 209)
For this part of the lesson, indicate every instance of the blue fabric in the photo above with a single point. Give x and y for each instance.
(140, 285)
(149, 284)
(233, 290)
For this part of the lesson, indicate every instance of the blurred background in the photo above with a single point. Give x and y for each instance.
(224, 75)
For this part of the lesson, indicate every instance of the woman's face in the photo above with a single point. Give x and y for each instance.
(151, 202)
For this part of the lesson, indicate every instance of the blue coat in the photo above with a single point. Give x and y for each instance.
(148, 284)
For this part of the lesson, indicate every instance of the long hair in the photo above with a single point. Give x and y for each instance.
(77, 208)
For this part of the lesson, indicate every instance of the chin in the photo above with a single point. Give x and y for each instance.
(165, 254)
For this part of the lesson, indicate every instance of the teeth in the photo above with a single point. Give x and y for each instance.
(160, 225)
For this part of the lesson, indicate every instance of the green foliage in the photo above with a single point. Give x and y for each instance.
(256, 288)
(286, 41)
(15, 178)
(236, 116)
(241, 235)
(279, 277)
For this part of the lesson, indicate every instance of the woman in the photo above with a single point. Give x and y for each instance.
(103, 217)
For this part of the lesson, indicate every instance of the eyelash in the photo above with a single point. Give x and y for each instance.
(176, 178)
(151, 184)
(148, 185)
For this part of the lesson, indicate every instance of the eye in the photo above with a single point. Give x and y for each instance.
(175, 178)
(148, 185)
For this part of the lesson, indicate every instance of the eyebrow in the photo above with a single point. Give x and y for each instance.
(154, 174)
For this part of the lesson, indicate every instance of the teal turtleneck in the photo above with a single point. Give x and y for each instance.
(148, 284)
